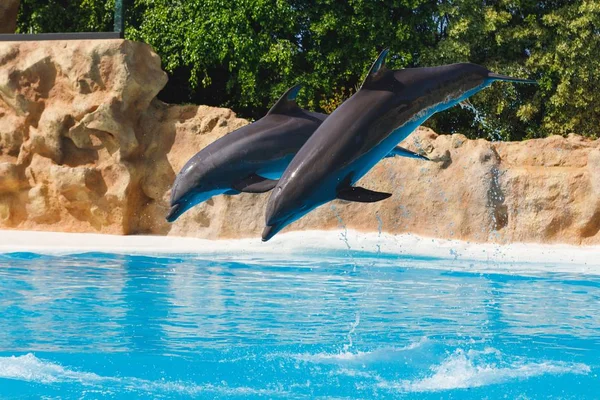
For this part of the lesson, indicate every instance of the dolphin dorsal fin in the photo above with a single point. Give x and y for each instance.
(376, 69)
(286, 102)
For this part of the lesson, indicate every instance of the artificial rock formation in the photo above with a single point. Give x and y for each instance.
(70, 139)
(86, 147)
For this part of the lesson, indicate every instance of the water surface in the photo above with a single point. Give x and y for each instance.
(338, 325)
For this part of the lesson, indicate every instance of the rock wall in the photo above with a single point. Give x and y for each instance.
(86, 147)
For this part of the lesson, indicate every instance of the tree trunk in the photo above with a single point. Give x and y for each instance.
(8, 15)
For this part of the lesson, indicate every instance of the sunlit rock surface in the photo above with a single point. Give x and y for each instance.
(86, 147)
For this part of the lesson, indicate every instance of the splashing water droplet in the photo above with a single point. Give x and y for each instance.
(379, 229)
(344, 235)
(478, 117)
(353, 326)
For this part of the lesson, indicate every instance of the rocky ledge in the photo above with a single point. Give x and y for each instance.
(85, 146)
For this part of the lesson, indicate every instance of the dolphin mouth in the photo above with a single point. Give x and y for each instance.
(175, 212)
(270, 231)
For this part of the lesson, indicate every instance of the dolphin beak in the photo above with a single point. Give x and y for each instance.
(175, 212)
(270, 231)
(498, 77)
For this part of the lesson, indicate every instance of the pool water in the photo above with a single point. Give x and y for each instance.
(337, 325)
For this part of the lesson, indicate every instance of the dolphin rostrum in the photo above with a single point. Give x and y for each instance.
(387, 108)
(251, 158)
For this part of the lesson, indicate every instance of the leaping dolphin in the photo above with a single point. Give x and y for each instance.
(388, 107)
(251, 158)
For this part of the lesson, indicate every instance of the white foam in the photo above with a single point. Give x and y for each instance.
(349, 357)
(581, 259)
(29, 368)
(463, 370)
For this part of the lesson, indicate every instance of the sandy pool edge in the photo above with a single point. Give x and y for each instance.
(298, 242)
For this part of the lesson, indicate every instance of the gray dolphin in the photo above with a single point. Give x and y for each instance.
(388, 107)
(251, 158)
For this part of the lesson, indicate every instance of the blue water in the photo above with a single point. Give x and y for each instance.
(333, 325)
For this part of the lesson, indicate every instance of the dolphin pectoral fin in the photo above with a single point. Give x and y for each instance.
(254, 184)
(402, 152)
(361, 195)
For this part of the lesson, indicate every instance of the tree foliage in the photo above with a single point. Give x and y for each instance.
(40, 16)
(244, 53)
(556, 42)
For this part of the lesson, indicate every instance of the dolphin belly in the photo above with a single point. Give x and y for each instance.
(368, 160)
(325, 193)
(275, 169)
(202, 197)
(270, 174)
(178, 209)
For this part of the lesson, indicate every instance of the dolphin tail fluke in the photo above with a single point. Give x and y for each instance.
(504, 78)
(377, 67)
(254, 184)
(361, 195)
(402, 152)
(286, 102)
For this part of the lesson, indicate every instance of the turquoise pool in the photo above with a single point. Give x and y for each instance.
(334, 324)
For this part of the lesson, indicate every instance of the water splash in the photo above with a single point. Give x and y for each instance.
(379, 229)
(385, 354)
(498, 209)
(494, 134)
(475, 368)
(29, 368)
(344, 235)
(342, 225)
(353, 327)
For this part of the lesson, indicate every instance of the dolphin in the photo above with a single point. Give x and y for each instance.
(387, 108)
(250, 159)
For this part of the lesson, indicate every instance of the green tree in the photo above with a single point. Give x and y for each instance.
(555, 42)
(42, 16)
(566, 57)
(244, 53)
(238, 54)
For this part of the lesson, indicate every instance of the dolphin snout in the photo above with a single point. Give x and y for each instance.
(272, 230)
(175, 212)
(274, 216)
(269, 232)
(505, 78)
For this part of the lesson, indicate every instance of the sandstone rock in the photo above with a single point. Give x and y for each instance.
(8, 15)
(85, 146)
(10, 178)
(70, 118)
(534, 191)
